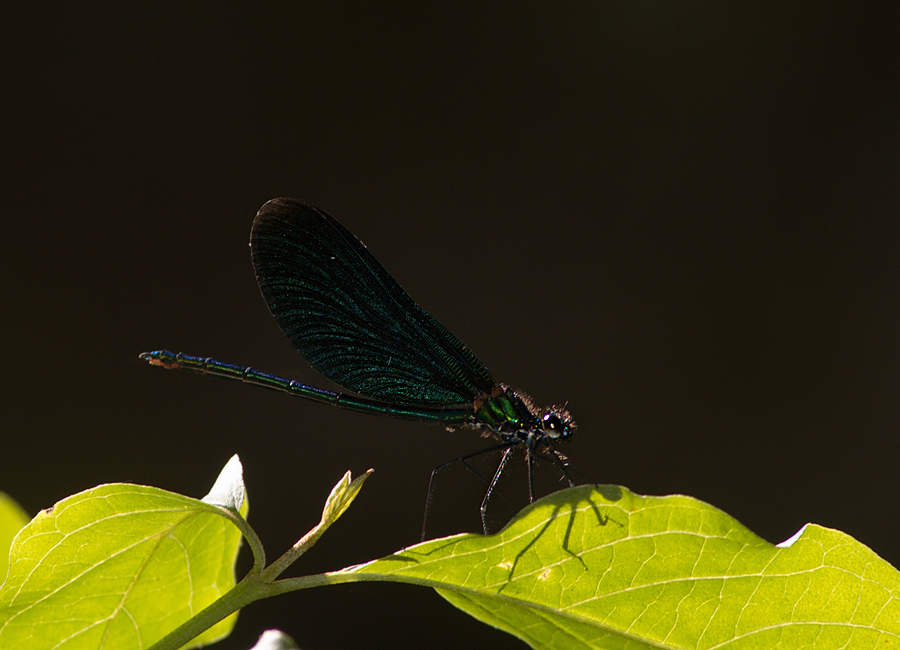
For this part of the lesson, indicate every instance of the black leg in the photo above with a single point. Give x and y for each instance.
(463, 459)
(559, 459)
(529, 462)
(490, 490)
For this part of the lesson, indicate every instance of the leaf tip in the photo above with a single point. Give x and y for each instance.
(343, 494)
(228, 491)
(793, 538)
(275, 640)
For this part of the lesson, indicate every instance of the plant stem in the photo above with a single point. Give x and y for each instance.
(245, 592)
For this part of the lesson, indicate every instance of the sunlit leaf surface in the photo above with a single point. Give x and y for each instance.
(606, 568)
(116, 567)
(12, 519)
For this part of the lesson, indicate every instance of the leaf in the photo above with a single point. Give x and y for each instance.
(605, 568)
(275, 640)
(341, 496)
(12, 518)
(117, 566)
(228, 491)
(339, 499)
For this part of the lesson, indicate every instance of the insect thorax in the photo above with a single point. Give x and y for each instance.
(512, 415)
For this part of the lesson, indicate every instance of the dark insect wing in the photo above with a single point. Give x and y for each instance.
(349, 317)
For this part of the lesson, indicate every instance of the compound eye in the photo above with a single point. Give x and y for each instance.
(553, 426)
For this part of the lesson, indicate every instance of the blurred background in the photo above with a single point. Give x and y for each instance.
(681, 218)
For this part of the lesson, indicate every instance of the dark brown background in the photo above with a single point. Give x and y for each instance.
(680, 217)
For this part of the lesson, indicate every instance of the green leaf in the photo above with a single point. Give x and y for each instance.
(339, 499)
(341, 496)
(12, 518)
(117, 566)
(261, 582)
(606, 568)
